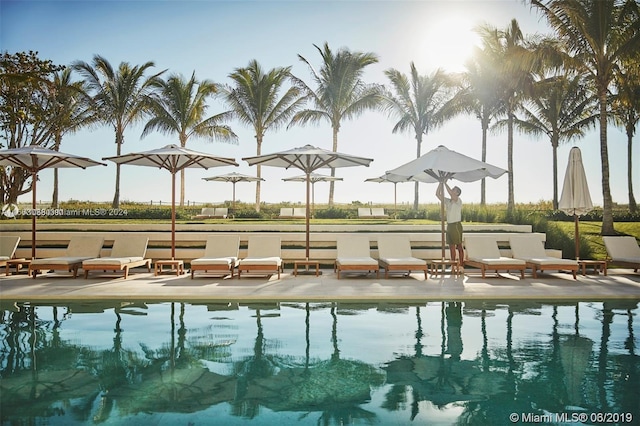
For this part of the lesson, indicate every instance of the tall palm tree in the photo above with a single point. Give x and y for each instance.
(255, 100)
(479, 94)
(598, 35)
(340, 92)
(560, 109)
(509, 49)
(626, 113)
(178, 106)
(119, 96)
(418, 102)
(71, 110)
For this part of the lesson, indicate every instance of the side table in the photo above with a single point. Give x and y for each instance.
(441, 264)
(18, 263)
(177, 266)
(306, 263)
(598, 265)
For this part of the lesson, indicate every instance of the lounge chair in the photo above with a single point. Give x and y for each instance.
(623, 251)
(378, 212)
(531, 249)
(206, 212)
(79, 249)
(221, 212)
(300, 212)
(364, 212)
(127, 252)
(286, 212)
(394, 254)
(8, 247)
(354, 254)
(263, 256)
(220, 255)
(483, 253)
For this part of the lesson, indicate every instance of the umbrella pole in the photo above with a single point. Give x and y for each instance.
(395, 200)
(577, 236)
(34, 178)
(173, 216)
(234, 197)
(442, 226)
(307, 216)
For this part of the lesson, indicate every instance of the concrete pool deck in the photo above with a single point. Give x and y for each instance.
(141, 285)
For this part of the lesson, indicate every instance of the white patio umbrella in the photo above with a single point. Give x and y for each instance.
(575, 199)
(234, 178)
(395, 179)
(173, 158)
(440, 165)
(315, 177)
(34, 158)
(308, 159)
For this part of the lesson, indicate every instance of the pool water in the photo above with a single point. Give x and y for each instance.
(466, 363)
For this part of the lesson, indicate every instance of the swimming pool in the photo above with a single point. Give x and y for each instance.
(472, 362)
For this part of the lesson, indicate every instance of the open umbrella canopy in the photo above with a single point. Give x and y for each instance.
(174, 159)
(314, 178)
(441, 164)
(35, 158)
(234, 178)
(395, 180)
(575, 199)
(308, 159)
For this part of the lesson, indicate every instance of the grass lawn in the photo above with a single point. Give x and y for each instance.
(590, 231)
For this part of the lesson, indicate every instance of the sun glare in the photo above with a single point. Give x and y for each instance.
(448, 44)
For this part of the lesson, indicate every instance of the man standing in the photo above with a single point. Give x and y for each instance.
(454, 220)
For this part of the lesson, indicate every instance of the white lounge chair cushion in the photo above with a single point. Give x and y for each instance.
(215, 261)
(531, 249)
(623, 249)
(4, 258)
(8, 246)
(481, 248)
(222, 246)
(409, 261)
(364, 211)
(129, 246)
(262, 261)
(394, 246)
(356, 261)
(548, 260)
(498, 261)
(263, 247)
(300, 212)
(113, 261)
(63, 260)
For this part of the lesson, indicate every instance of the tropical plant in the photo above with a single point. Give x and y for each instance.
(340, 92)
(119, 97)
(71, 111)
(561, 109)
(597, 35)
(178, 106)
(479, 94)
(418, 102)
(626, 113)
(255, 101)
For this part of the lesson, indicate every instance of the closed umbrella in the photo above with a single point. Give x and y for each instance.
(442, 164)
(315, 177)
(174, 159)
(575, 199)
(308, 159)
(34, 158)
(234, 178)
(395, 179)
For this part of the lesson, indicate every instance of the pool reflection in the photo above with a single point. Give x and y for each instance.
(322, 363)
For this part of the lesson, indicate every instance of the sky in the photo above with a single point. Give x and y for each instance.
(212, 38)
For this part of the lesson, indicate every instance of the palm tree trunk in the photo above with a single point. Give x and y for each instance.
(258, 171)
(554, 147)
(54, 195)
(333, 171)
(633, 207)
(511, 201)
(607, 212)
(416, 196)
(116, 196)
(483, 184)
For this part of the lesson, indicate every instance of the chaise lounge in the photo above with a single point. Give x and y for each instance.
(394, 254)
(127, 252)
(220, 255)
(263, 256)
(8, 247)
(79, 249)
(354, 254)
(623, 251)
(483, 253)
(531, 249)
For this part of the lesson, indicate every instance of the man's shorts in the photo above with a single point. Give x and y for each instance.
(454, 233)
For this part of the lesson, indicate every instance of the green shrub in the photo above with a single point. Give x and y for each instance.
(333, 213)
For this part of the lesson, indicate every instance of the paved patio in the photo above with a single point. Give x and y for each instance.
(141, 285)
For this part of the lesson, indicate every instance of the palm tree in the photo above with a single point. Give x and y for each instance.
(479, 94)
(119, 96)
(508, 48)
(255, 101)
(418, 103)
(340, 92)
(626, 113)
(562, 110)
(71, 110)
(598, 35)
(179, 106)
